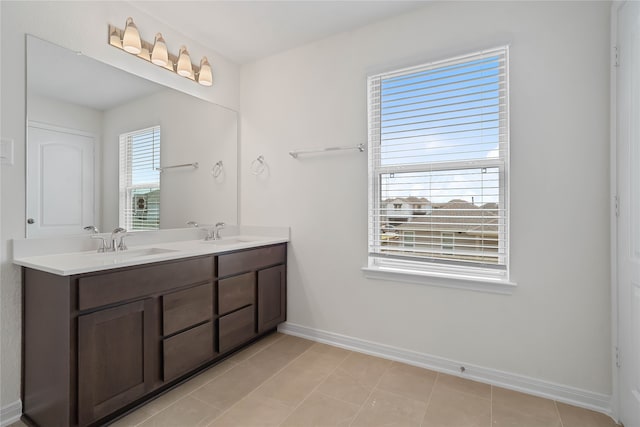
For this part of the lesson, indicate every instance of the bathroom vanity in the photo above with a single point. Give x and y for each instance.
(98, 343)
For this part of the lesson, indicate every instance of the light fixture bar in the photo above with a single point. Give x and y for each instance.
(115, 39)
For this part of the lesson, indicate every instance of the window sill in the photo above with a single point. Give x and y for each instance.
(495, 286)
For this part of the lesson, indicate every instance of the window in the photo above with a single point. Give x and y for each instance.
(140, 180)
(409, 238)
(438, 148)
(448, 242)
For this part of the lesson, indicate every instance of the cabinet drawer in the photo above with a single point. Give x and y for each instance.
(183, 309)
(108, 288)
(236, 292)
(252, 259)
(188, 350)
(236, 328)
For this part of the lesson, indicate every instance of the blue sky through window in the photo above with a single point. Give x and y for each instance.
(439, 116)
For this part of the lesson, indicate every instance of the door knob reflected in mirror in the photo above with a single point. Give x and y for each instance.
(30, 221)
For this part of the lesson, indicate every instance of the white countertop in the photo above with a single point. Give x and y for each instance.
(69, 263)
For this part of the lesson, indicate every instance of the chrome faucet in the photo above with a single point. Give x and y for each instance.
(114, 234)
(216, 230)
(213, 233)
(111, 245)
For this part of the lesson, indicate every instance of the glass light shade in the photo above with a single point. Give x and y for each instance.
(205, 77)
(184, 67)
(131, 38)
(159, 54)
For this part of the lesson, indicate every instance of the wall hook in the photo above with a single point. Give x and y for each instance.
(216, 170)
(258, 165)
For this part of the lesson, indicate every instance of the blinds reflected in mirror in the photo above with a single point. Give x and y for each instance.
(139, 207)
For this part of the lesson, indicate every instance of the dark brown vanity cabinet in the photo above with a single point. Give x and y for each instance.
(98, 344)
(246, 290)
(116, 358)
(188, 330)
(272, 297)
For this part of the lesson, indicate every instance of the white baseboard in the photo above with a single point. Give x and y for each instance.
(10, 413)
(574, 396)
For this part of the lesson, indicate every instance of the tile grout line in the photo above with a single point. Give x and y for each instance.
(198, 388)
(491, 405)
(370, 393)
(433, 388)
(185, 395)
(224, 411)
(259, 385)
(555, 405)
(317, 386)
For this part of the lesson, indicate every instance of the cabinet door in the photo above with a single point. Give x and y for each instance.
(272, 293)
(117, 357)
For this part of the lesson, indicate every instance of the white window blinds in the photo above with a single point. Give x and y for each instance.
(140, 180)
(438, 158)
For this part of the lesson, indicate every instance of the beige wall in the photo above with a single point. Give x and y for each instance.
(555, 327)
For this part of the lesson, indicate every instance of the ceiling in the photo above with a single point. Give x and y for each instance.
(242, 31)
(245, 31)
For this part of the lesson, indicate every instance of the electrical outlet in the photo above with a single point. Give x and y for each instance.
(6, 151)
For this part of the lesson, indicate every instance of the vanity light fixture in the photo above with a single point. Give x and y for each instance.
(159, 54)
(205, 78)
(129, 40)
(184, 67)
(114, 37)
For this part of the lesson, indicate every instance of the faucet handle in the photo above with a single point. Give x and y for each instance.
(104, 246)
(210, 233)
(216, 231)
(192, 223)
(122, 246)
(92, 228)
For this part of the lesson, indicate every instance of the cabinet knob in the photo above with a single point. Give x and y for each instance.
(30, 221)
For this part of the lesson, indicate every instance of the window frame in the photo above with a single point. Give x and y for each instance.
(476, 277)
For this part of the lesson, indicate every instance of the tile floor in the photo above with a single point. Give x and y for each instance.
(287, 381)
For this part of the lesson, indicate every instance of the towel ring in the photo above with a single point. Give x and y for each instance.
(258, 166)
(216, 170)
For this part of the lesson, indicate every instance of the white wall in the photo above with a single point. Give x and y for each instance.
(192, 130)
(556, 325)
(78, 26)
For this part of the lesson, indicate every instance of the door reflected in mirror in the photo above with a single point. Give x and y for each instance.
(78, 109)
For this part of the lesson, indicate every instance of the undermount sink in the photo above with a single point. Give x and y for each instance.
(229, 241)
(143, 252)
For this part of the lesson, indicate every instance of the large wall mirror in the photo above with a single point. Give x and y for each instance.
(79, 113)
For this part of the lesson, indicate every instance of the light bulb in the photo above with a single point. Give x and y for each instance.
(205, 77)
(131, 38)
(159, 54)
